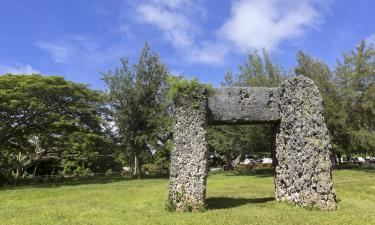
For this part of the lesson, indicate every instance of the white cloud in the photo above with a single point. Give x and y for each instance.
(251, 24)
(59, 51)
(174, 25)
(68, 48)
(175, 18)
(267, 23)
(209, 53)
(18, 68)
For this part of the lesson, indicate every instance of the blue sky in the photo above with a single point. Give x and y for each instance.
(79, 38)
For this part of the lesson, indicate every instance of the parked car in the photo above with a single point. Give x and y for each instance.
(358, 159)
(266, 160)
(248, 161)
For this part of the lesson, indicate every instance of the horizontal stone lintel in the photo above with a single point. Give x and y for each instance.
(243, 105)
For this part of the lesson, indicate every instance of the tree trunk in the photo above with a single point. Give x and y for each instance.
(137, 167)
(228, 160)
(18, 172)
(36, 167)
(334, 160)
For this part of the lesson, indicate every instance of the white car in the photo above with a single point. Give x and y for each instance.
(248, 161)
(266, 160)
(360, 159)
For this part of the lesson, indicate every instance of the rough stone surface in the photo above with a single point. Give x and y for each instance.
(187, 187)
(303, 172)
(303, 166)
(243, 105)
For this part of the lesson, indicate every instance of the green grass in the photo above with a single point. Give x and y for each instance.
(232, 200)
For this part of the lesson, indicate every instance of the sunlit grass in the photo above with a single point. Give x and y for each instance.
(232, 199)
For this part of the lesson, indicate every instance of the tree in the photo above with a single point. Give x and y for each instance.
(259, 71)
(356, 79)
(137, 96)
(224, 141)
(233, 142)
(334, 112)
(43, 119)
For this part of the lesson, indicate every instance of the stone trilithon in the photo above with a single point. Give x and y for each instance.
(303, 168)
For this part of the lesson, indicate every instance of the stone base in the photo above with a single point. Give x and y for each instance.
(181, 202)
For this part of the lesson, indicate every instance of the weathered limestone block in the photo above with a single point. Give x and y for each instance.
(303, 172)
(243, 105)
(188, 172)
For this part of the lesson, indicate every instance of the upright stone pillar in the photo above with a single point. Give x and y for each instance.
(303, 172)
(188, 172)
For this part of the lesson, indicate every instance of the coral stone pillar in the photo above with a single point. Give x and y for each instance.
(188, 171)
(303, 172)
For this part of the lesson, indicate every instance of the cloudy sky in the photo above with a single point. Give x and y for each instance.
(79, 38)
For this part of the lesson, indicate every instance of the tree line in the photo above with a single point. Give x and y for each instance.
(49, 125)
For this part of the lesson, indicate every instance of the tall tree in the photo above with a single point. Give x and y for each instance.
(334, 113)
(41, 118)
(137, 95)
(259, 71)
(356, 78)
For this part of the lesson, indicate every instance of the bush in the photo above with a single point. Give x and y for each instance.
(72, 168)
(191, 89)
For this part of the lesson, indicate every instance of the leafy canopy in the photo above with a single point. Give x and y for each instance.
(44, 118)
(137, 96)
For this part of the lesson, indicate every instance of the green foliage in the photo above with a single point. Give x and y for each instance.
(349, 97)
(73, 168)
(258, 70)
(232, 143)
(137, 95)
(44, 120)
(190, 89)
(159, 163)
(356, 79)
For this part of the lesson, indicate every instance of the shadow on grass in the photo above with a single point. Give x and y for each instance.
(225, 203)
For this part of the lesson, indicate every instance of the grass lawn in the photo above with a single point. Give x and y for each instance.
(232, 200)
